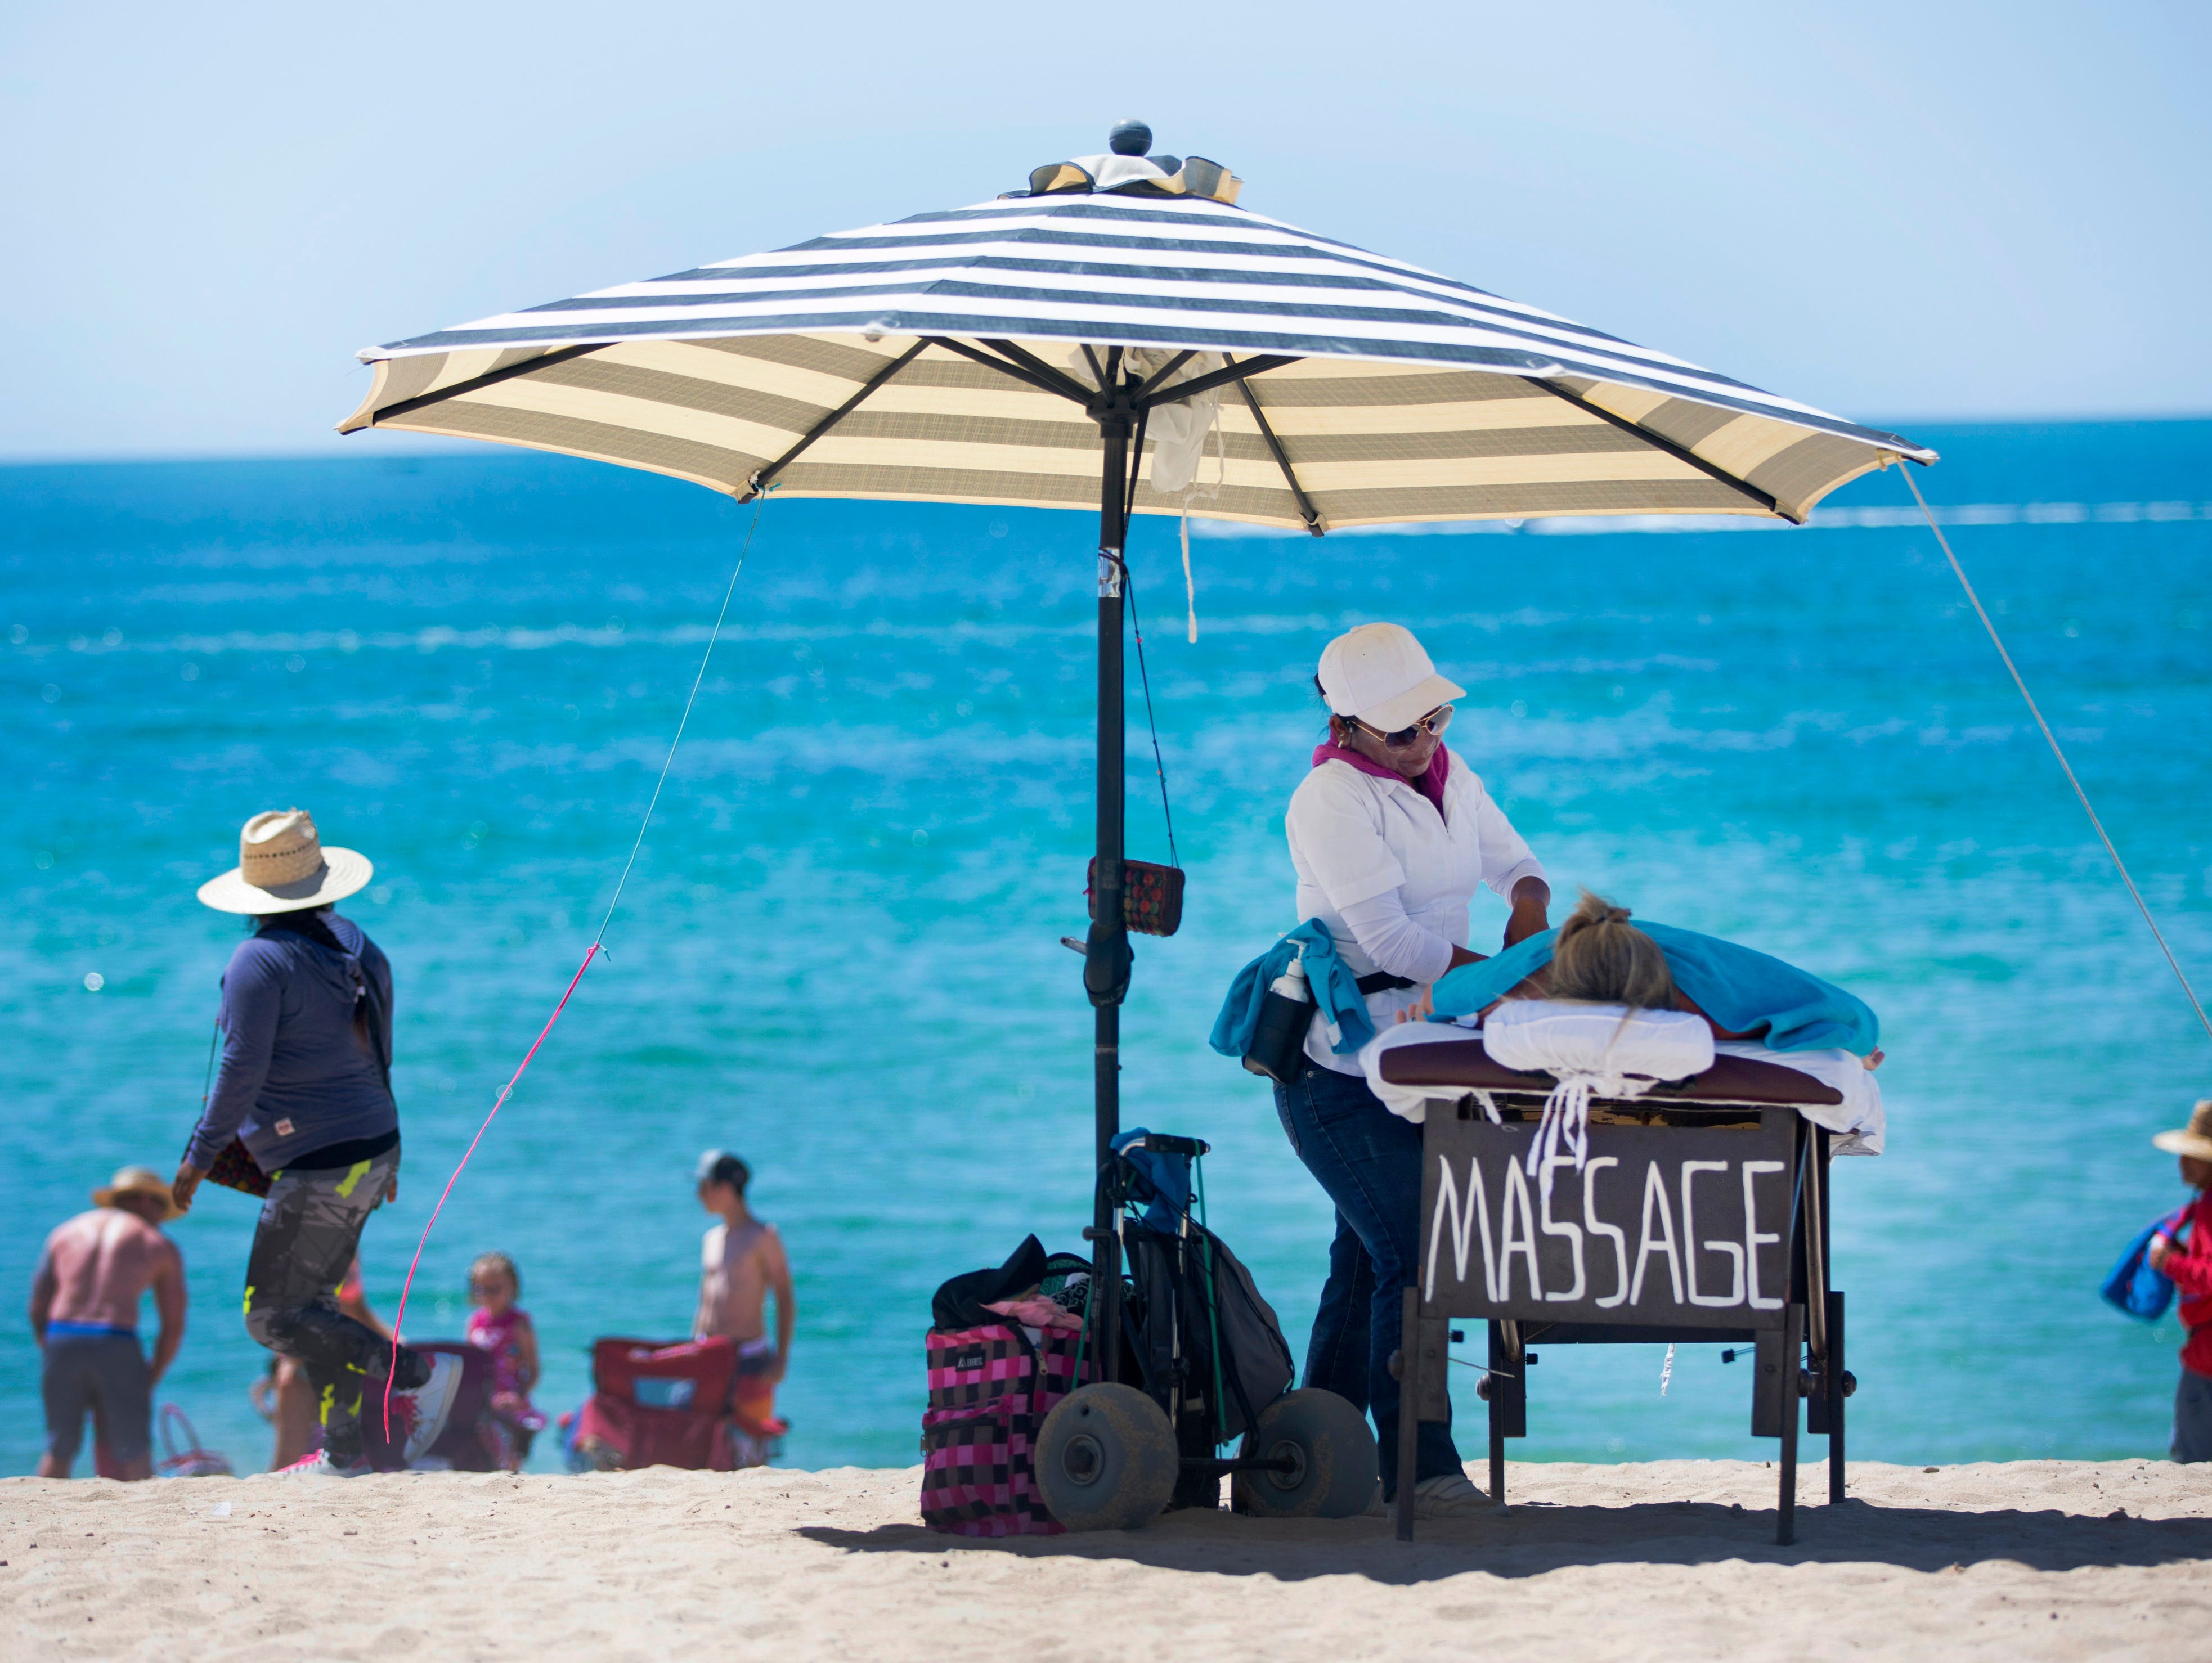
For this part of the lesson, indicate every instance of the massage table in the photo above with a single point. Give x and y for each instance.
(1700, 1218)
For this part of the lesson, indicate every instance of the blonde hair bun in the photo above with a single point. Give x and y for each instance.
(1600, 958)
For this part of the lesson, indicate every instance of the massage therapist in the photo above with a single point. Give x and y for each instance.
(1391, 835)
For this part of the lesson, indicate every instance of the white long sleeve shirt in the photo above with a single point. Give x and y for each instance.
(1393, 878)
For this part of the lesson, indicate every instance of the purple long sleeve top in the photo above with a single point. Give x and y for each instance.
(295, 1075)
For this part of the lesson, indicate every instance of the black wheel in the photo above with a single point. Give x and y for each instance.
(1106, 1458)
(1331, 1454)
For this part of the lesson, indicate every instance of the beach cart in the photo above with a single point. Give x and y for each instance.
(1698, 1216)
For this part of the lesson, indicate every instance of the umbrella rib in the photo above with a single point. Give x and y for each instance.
(1306, 509)
(1206, 383)
(766, 477)
(1041, 383)
(492, 378)
(1068, 384)
(1679, 452)
(1136, 465)
(1173, 365)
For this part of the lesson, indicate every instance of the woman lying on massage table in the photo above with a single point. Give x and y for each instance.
(1599, 957)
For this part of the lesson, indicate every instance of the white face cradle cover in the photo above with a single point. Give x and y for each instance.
(1607, 1044)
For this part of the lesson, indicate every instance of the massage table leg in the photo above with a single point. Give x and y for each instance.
(1793, 1340)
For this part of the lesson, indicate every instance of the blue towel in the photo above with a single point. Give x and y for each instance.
(1167, 1202)
(1738, 988)
(1328, 979)
(2132, 1287)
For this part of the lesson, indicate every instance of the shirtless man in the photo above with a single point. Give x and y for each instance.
(741, 1262)
(84, 1310)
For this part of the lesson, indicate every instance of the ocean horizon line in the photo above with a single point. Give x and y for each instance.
(417, 447)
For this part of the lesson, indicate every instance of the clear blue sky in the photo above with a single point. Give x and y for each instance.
(1892, 211)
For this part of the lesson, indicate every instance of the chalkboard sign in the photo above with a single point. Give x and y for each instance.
(1681, 1225)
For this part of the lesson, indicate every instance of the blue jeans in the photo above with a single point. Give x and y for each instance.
(1369, 1161)
(2192, 1419)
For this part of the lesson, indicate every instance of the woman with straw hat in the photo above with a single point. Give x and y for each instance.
(305, 1086)
(2189, 1267)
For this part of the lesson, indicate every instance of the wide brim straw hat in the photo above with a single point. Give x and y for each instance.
(2193, 1139)
(1380, 675)
(284, 866)
(139, 1180)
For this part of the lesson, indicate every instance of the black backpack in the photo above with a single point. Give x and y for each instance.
(1207, 1347)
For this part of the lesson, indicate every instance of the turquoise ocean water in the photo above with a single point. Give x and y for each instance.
(838, 953)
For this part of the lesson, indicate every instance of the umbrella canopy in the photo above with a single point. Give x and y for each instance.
(940, 359)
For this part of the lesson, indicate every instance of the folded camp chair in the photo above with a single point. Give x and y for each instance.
(662, 1403)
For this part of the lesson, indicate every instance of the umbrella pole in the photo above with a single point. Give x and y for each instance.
(1106, 957)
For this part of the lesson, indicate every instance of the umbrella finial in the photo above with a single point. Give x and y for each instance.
(1130, 138)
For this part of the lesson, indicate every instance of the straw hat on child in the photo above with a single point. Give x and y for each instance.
(138, 1180)
(2193, 1139)
(283, 866)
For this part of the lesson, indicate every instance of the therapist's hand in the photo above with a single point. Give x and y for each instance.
(1423, 1007)
(1532, 906)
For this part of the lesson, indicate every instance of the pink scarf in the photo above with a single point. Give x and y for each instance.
(1430, 785)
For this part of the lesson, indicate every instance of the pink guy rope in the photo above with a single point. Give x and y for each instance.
(590, 953)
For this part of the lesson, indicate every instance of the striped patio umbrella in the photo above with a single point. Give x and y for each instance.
(1120, 334)
(943, 359)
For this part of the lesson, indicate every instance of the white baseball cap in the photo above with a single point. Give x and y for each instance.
(1380, 674)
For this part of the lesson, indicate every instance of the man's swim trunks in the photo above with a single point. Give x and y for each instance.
(104, 1372)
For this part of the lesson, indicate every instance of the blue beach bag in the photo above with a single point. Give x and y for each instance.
(2132, 1287)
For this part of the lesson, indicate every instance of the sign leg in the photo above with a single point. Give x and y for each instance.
(1409, 1410)
(1793, 1342)
(1495, 1402)
(1835, 1388)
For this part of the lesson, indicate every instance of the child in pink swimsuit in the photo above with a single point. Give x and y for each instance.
(500, 1326)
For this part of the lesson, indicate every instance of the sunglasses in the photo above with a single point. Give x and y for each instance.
(1434, 723)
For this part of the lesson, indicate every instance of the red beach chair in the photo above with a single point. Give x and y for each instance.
(657, 1403)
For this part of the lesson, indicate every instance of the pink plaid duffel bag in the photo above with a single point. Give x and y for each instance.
(990, 1388)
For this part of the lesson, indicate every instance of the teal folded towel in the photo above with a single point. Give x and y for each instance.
(1328, 979)
(1741, 989)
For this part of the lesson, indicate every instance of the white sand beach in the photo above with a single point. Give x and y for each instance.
(2030, 1559)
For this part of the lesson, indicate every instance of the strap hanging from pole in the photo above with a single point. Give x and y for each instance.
(1144, 677)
